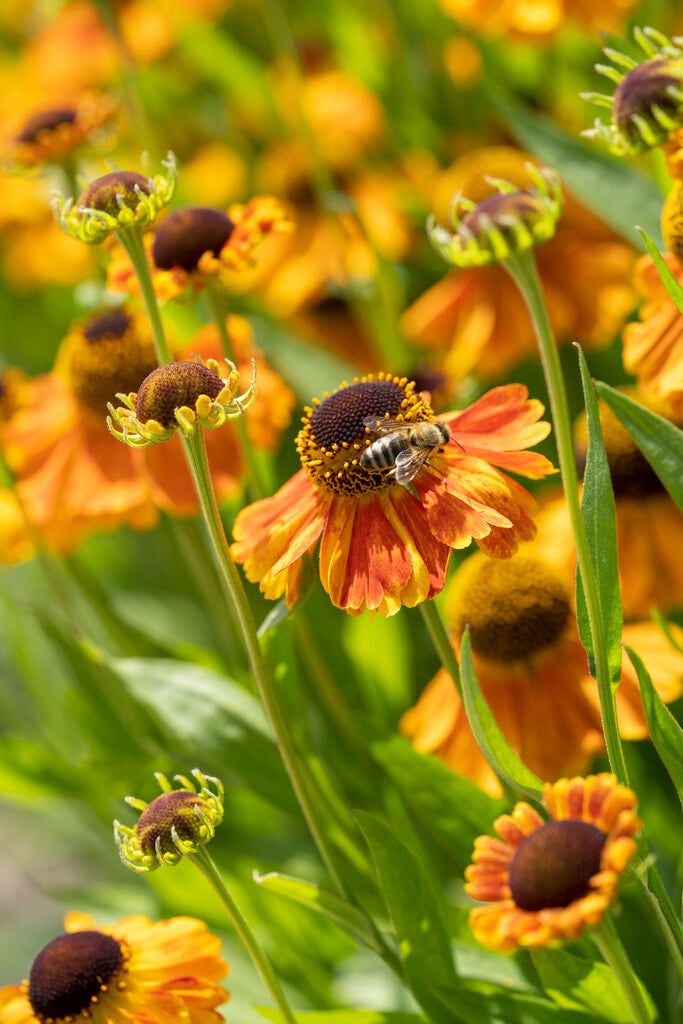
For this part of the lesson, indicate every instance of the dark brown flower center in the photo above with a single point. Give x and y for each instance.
(45, 121)
(111, 324)
(515, 607)
(631, 473)
(170, 810)
(501, 209)
(104, 193)
(334, 435)
(71, 971)
(109, 354)
(186, 234)
(553, 866)
(172, 386)
(644, 87)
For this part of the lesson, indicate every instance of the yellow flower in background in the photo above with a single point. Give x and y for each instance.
(653, 347)
(547, 881)
(532, 668)
(537, 21)
(133, 970)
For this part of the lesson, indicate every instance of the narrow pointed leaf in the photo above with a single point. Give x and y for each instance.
(599, 518)
(665, 731)
(660, 441)
(322, 902)
(674, 289)
(416, 914)
(505, 762)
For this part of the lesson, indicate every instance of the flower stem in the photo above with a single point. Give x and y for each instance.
(523, 271)
(614, 955)
(132, 241)
(202, 859)
(219, 308)
(196, 450)
(437, 631)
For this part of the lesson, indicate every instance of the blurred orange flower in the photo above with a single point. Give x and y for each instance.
(653, 348)
(537, 20)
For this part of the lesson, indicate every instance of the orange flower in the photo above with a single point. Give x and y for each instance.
(529, 662)
(73, 477)
(653, 348)
(477, 318)
(537, 20)
(135, 969)
(54, 133)
(547, 880)
(196, 243)
(381, 547)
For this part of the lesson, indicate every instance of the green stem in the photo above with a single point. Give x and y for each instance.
(132, 241)
(219, 309)
(523, 271)
(204, 862)
(441, 641)
(614, 954)
(196, 450)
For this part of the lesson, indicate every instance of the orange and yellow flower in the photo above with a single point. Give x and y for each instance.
(476, 318)
(537, 21)
(135, 969)
(381, 547)
(195, 244)
(53, 133)
(546, 881)
(653, 348)
(530, 664)
(73, 477)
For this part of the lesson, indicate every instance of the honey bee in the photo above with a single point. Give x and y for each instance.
(402, 448)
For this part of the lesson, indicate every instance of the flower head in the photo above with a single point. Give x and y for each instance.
(195, 244)
(381, 546)
(180, 396)
(174, 824)
(538, 21)
(653, 347)
(547, 880)
(501, 225)
(647, 104)
(135, 969)
(53, 133)
(116, 201)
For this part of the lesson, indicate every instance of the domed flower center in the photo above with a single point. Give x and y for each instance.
(502, 210)
(186, 234)
(172, 386)
(170, 810)
(515, 608)
(102, 193)
(107, 354)
(334, 434)
(642, 88)
(45, 121)
(71, 971)
(553, 866)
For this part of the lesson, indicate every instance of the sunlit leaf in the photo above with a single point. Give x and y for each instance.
(346, 1016)
(599, 519)
(505, 762)
(578, 984)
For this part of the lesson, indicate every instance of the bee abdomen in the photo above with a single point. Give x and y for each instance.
(382, 454)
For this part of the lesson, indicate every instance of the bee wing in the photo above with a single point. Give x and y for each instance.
(384, 426)
(408, 463)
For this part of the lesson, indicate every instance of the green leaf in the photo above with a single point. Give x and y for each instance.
(665, 731)
(211, 718)
(453, 809)
(309, 369)
(659, 440)
(577, 984)
(323, 902)
(593, 176)
(493, 745)
(346, 1016)
(415, 911)
(510, 1008)
(599, 518)
(674, 289)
